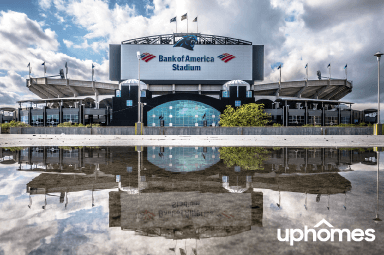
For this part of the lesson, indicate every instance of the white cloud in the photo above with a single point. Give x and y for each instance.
(294, 32)
(60, 19)
(45, 4)
(67, 43)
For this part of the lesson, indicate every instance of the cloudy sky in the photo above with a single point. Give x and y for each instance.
(294, 32)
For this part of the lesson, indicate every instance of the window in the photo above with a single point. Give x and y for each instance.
(331, 121)
(296, 120)
(24, 119)
(314, 119)
(129, 169)
(225, 93)
(37, 120)
(118, 93)
(345, 120)
(73, 118)
(129, 102)
(143, 93)
(249, 94)
(52, 119)
(237, 103)
(182, 113)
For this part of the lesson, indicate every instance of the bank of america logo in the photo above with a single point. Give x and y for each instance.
(146, 57)
(226, 57)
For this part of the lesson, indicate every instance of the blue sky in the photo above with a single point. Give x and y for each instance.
(294, 32)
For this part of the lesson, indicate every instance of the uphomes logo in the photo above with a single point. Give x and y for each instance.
(187, 42)
(324, 235)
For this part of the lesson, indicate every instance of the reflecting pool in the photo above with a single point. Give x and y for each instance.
(190, 200)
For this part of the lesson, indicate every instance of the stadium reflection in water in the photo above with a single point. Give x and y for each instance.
(187, 192)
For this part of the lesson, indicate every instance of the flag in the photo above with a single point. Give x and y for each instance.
(29, 64)
(278, 67)
(66, 66)
(173, 19)
(184, 17)
(43, 64)
(195, 20)
(93, 66)
(172, 249)
(345, 66)
(182, 252)
(329, 65)
(306, 65)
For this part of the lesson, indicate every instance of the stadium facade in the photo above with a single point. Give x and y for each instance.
(185, 80)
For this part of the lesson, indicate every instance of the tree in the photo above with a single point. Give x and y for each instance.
(248, 115)
(248, 158)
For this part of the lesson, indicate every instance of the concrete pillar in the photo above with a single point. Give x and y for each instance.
(107, 116)
(306, 114)
(96, 101)
(30, 115)
(173, 88)
(323, 116)
(61, 114)
(339, 115)
(44, 116)
(200, 89)
(19, 114)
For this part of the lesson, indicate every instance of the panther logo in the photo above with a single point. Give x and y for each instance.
(187, 42)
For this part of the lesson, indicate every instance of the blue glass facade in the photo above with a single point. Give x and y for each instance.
(183, 159)
(183, 113)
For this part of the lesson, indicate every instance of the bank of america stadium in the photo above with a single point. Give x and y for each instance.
(185, 80)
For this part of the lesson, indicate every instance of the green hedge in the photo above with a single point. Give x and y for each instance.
(5, 127)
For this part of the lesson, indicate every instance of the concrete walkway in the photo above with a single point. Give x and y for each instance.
(197, 140)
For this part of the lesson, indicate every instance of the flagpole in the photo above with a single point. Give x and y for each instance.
(346, 72)
(329, 71)
(197, 24)
(187, 23)
(176, 24)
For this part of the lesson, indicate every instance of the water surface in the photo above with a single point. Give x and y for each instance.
(186, 200)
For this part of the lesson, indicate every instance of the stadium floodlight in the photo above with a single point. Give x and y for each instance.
(378, 55)
(138, 93)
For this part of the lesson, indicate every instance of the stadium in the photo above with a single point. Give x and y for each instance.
(185, 80)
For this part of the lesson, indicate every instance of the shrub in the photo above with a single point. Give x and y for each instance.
(5, 127)
(247, 115)
(277, 125)
(69, 124)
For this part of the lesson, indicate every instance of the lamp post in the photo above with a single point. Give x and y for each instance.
(377, 219)
(138, 92)
(378, 55)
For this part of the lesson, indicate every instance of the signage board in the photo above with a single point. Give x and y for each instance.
(204, 62)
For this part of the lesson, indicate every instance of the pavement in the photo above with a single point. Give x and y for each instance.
(7, 140)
